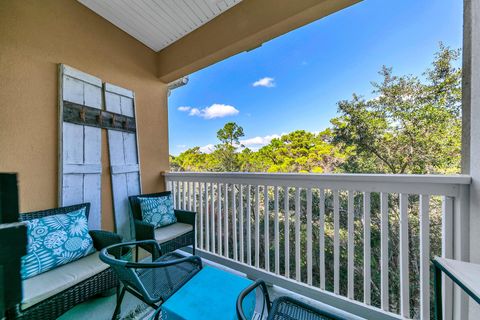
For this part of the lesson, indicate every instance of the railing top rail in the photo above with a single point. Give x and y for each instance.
(445, 185)
(341, 177)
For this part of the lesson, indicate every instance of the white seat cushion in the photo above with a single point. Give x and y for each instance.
(45, 285)
(172, 231)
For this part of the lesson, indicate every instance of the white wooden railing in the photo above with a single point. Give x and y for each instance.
(344, 210)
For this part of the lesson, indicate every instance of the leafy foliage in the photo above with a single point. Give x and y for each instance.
(412, 126)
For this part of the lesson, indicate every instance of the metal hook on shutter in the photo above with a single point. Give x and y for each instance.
(82, 114)
(100, 118)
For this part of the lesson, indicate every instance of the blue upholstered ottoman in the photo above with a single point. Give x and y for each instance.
(210, 295)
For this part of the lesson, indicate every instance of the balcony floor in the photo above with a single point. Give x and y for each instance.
(102, 308)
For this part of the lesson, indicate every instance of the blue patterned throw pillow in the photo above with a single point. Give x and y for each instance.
(158, 210)
(54, 241)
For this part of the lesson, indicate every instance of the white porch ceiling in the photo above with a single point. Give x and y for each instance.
(158, 23)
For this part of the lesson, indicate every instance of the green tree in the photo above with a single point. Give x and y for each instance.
(299, 151)
(191, 160)
(412, 126)
(226, 150)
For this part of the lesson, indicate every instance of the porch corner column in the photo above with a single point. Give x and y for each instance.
(471, 130)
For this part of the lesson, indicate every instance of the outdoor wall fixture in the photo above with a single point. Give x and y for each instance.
(177, 84)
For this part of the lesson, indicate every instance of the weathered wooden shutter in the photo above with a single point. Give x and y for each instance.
(80, 146)
(124, 161)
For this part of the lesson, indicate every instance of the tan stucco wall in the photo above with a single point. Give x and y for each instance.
(34, 37)
(245, 26)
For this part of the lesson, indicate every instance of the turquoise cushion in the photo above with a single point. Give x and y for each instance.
(158, 210)
(54, 241)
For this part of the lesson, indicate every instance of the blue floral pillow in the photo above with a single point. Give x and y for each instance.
(54, 241)
(158, 210)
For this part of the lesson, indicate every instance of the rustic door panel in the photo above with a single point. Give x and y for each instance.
(124, 162)
(80, 146)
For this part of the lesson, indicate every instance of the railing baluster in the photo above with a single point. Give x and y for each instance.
(447, 252)
(241, 215)
(234, 224)
(321, 236)
(384, 251)
(184, 200)
(336, 242)
(404, 273)
(366, 249)
(286, 209)
(351, 244)
(178, 204)
(212, 218)
(266, 225)
(309, 236)
(257, 226)
(297, 235)
(171, 188)
(195, 197)
(207, 220)
(219, 218)
(225, 227)
(194, 205)
(248, 216)
(201, 187)
(189, 191)
(276, 231)
(424, 257)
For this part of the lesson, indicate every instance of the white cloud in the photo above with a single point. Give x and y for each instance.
(216, 110)
(256, 143)
(184, 109)
(194, 112)
(209, 148)
(265, 82)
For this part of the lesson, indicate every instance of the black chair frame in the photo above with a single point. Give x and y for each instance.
(273, 308)
(131, 273)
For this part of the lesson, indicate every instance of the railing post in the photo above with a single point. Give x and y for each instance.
(447, 252)
(461, 245)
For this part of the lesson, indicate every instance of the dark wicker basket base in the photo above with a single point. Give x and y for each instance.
(60, 303)
(184, 240)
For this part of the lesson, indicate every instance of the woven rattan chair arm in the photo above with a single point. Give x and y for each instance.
(187, 217)
(144, 230)
(102, 239)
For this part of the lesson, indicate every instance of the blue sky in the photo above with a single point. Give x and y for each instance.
(310, 70)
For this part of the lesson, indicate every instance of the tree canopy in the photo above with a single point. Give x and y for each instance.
(412, 125)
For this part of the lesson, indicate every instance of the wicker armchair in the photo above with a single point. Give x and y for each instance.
(185, 225)
(56, 305)
(286, 308)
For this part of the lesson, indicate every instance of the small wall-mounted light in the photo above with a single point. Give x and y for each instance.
(177, 84)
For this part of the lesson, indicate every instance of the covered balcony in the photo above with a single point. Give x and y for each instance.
(300, 233)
